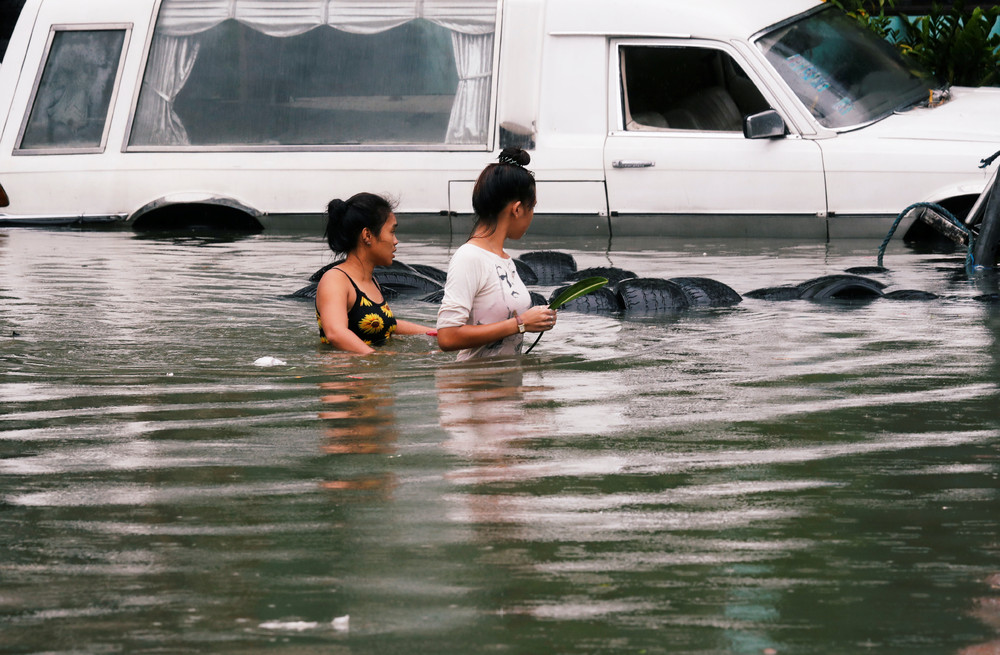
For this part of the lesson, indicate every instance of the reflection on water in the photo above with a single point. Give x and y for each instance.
(359, 418)
(775, 477)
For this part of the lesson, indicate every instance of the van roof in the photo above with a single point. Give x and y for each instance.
(722, 19)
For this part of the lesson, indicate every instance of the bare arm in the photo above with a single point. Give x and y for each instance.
(406, 327)
(536, 319)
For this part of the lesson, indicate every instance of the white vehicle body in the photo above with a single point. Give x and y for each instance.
(186, 111)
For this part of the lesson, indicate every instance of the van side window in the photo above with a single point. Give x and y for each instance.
(683, 88)
(290, 77)
(70, 105)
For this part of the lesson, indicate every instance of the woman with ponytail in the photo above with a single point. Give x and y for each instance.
(486, 308)
(350, 307)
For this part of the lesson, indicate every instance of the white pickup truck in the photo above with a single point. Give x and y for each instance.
(643, 117)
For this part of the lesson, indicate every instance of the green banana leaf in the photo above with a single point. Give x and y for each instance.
(581, 288)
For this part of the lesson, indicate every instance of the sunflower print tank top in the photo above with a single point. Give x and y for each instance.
(373, 324)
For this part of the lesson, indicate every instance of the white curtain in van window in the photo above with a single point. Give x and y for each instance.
(472, 23)
(470, 113)
(291, 17)
(170, 64)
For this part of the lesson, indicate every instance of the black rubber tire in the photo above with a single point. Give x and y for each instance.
(305, 293)
(840, 287)
(706, 292)
(432, 272)
(613, 274)
(867, 270)
(434, 297)
(318, 274)
(775, 293)
(538, 299)
(909, 294)
(651, 296)
(550, 266)
(525, 273)
(600, 301)
(405, 282)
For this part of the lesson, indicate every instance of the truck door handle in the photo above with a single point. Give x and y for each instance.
(632, 163)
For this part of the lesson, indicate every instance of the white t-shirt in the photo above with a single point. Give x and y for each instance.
(483, 288)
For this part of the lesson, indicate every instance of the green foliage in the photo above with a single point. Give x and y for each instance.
(956, 44)
(870, 14)
(581, 288)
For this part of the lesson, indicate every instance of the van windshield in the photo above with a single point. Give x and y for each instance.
(845, 75)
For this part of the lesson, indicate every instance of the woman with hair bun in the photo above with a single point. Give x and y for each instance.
(486, 308)
(350, 308)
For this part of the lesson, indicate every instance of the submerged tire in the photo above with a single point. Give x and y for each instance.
(432, 272)
(538, 299)
(525, 273)
(434, 297)
(706, 292)
(651, 296)
(775, 293)
(840, 287)
(315, 277)
(910, 294)
(867, 270)
(405, 281)
(600, 301)
(305, 293)
(550, 266)
(613, 274)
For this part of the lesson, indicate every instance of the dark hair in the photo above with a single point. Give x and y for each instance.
(346, 219)
(502, 183)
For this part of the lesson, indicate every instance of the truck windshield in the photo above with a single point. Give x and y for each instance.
(845, 75)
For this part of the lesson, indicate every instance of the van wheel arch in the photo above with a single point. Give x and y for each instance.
(207, 215)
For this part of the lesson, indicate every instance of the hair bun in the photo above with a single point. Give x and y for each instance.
(337, 206)
(514, 156)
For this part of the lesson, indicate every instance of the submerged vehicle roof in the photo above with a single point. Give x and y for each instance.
(725, 19)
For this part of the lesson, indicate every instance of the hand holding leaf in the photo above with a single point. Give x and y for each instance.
(581, 288)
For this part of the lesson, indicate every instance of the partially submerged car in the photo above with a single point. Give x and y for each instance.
(643, 117)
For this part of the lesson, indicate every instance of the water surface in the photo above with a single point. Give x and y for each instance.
(785, 477)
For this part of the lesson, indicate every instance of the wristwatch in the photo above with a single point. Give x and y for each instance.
(520, 324)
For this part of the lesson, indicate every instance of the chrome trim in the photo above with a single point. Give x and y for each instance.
(631, 163)
(374, 147)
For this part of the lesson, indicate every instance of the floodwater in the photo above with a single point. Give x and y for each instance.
(776, 477)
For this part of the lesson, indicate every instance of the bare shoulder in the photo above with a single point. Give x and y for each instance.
(333, 283)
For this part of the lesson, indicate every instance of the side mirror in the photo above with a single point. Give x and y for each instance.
(765, 125)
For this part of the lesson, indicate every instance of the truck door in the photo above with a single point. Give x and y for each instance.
(677, 162)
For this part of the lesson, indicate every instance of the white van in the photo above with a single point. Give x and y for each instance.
(665, 117)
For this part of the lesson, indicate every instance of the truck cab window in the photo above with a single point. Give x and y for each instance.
(70, 105)
(684, 88)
